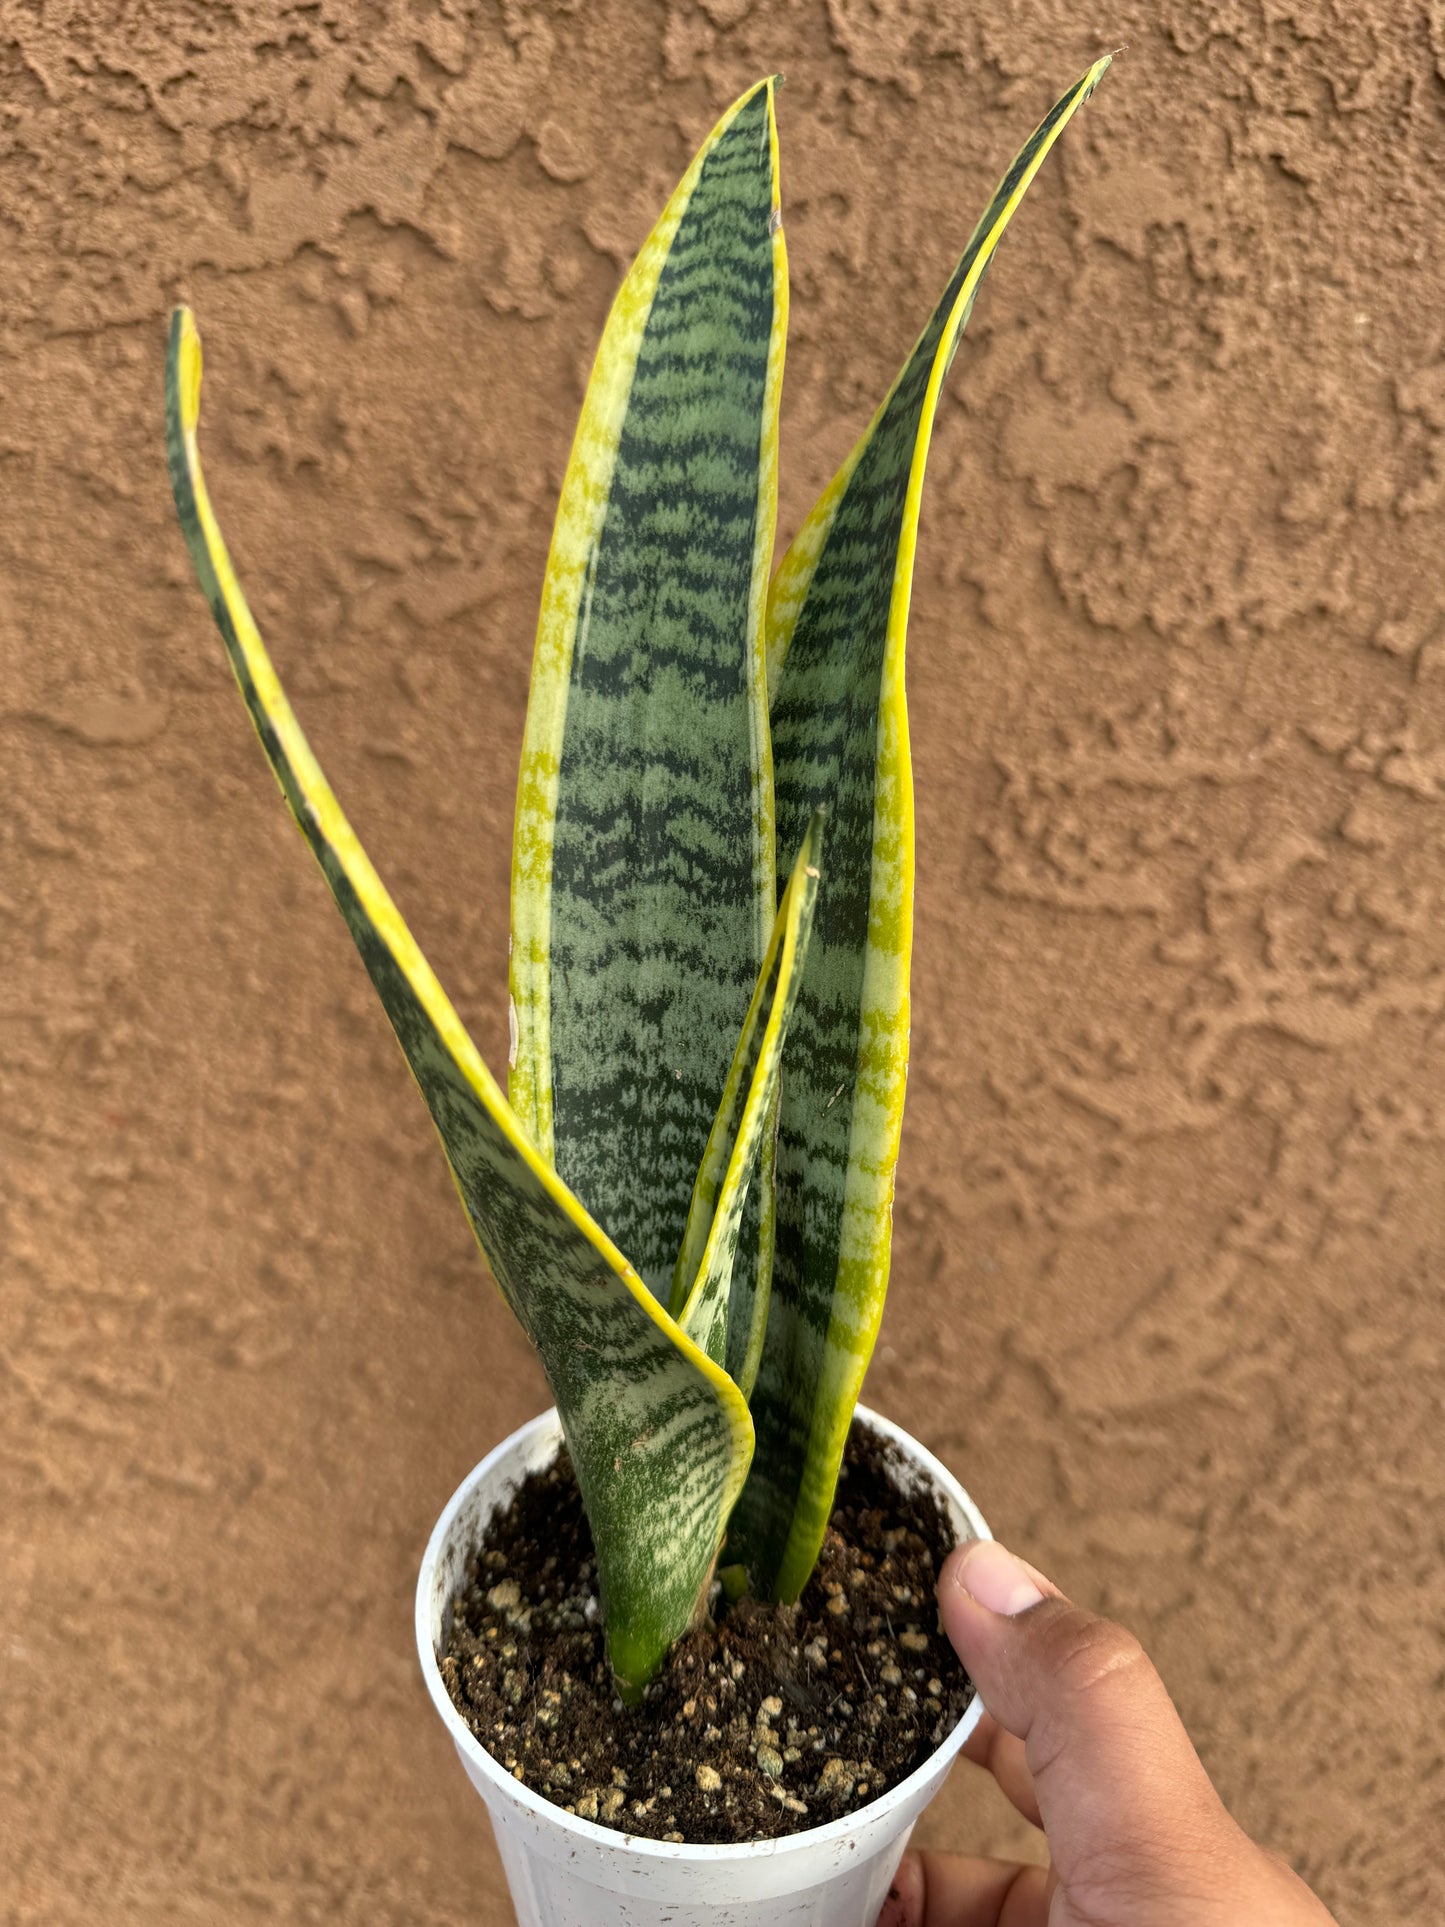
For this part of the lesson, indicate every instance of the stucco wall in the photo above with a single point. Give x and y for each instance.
(1171, 1226)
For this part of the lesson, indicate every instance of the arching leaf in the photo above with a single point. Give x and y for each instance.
(837, 618)
(659, 1434)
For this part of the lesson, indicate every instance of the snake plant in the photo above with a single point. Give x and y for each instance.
(691, 1222)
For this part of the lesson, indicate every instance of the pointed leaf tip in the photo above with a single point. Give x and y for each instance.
(1097, 72)
(188, 367)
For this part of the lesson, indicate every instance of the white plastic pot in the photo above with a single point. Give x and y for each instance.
(568, 1872)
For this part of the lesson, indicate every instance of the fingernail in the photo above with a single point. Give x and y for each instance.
(991, 1575)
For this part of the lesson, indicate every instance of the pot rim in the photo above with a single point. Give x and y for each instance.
(546, 1811)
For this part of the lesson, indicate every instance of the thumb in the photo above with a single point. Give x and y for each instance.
(1124, 1798)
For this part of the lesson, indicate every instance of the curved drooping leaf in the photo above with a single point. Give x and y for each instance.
(720, 1304)
(837, 617)
(643, 882)
(659, 1435)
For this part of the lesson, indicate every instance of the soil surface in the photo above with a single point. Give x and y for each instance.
(770, 1720)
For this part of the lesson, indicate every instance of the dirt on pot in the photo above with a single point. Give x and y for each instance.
(771, 1720)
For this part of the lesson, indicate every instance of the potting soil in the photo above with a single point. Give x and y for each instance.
(770, 1719)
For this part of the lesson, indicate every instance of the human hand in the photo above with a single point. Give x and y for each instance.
(1084, 1739)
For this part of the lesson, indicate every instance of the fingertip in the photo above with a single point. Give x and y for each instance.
(1029, 1898)
(948, 1577)
(904, 1905)
(992, 1577)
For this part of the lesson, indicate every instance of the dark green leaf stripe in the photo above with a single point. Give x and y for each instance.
(722, 1305)
(659, 1435)
(837, 622)
(644, 889)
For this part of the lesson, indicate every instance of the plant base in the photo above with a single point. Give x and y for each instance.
(564, 1868)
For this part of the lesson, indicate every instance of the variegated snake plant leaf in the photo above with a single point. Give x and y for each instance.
(837, 620)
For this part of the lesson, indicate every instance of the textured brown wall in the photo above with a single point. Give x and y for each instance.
(1170, 1229)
